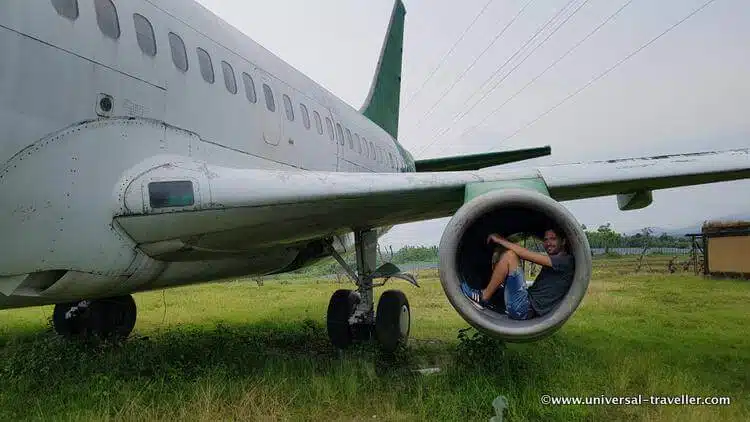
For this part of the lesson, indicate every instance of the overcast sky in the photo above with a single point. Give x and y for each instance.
(686, 92)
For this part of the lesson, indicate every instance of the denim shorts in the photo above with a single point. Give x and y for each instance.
(516, 296)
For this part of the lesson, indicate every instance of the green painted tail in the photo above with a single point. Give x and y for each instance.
(382, 104)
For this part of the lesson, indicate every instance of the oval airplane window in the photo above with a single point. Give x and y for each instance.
(318, 123)
(349, 138)
(66, 8)
(305, 116)
(249, 88)
(179, 54)
(229, 80)
(106, 17)
(270, 103)
(339, 133)
(207, 67)
(288, 108)
(329, 127)
(144, 32)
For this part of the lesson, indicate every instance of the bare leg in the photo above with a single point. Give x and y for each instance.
(508, 263)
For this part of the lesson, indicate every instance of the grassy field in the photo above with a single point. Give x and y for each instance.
(239, 351)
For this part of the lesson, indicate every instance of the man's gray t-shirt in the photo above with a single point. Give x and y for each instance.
(552, 283)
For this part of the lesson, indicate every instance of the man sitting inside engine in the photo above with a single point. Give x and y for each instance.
(548, 289)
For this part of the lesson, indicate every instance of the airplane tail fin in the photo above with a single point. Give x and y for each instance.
(382, 103)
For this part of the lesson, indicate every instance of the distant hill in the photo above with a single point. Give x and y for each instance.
(693, 228)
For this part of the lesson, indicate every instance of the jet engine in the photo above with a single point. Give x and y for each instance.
(465, 255)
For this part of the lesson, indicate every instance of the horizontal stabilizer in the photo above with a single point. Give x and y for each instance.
(478, 161)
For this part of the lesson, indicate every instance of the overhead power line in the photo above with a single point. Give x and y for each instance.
(535, 78)
(608, 71)
(601, 75)
(460, 76)
(463, 112)
(446, 55)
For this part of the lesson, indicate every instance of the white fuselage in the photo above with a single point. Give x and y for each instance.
(66, 156)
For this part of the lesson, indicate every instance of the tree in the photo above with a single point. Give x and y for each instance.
(607, 236)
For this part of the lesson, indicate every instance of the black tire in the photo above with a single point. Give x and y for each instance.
(117, 317)
(103, 319)
(392, 320)
(340, 309)
(65, 327)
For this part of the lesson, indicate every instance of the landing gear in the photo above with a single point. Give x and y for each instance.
(393, 320)
(340, 309)
(351, 314)
(112, 318)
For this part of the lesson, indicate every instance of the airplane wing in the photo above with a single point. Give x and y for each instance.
(191, 207)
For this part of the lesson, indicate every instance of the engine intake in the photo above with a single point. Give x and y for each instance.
(465, 255)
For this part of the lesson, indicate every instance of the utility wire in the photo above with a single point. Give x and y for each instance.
(497, 37)
(463, 111)
(535, 78)
(608, 71)
(497, 83)
(445, 57)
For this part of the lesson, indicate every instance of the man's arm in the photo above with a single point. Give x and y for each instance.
(522, 252)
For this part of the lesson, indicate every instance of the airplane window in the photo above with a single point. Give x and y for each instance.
(270, 103)
(372, 150)
(229, 80)
(305, 116)
(144, 32)
(329, 126)
(359, 143)
(106, 17)
(207, 67)
(339, 133)
(249, 88)
(367, 148)
(66, 8)
(390, 159)
(288, 108)
(318, 123)
(179, 54)
(349, 138)
(171, 194)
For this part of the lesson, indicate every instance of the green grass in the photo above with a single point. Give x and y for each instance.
(239, 351)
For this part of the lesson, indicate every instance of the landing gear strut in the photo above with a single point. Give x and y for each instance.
(112, 318)
(351, 314)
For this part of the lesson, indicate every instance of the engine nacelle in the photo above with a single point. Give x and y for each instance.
(465, 255)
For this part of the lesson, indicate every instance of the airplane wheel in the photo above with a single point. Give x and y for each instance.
(340, 309)
(68, 327)
(102, 319)
(392, 320)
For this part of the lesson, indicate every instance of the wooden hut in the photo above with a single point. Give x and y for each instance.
(727, 248)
